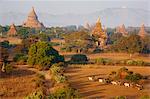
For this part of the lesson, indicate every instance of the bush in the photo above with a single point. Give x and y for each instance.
(60, 78)
(57, 68)
(20, 58)
(145, 97)
(131, 62)
(65, 93)
(79, 58)
(134, 77)
(8, 68)
(120, 97)
(97, 50)
(36, 95)
(104, 61)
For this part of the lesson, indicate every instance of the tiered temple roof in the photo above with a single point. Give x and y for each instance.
(99, 32)
(121, 29)
(12, 31)
(142, 31)
(32, 20)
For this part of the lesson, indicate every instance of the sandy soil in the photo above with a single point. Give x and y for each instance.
(95, 90)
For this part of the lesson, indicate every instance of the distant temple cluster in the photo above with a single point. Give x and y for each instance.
(96, 30)
(31, 22)
(121, 29)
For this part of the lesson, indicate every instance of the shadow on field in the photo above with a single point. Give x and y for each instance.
(93, 92)
(17, 73)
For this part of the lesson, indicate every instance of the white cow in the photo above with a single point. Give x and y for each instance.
(139, 87)
(114, 83)
(91, 78)
(126, 84)
(101, 80)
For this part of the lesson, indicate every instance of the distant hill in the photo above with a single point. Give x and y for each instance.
(110, 17)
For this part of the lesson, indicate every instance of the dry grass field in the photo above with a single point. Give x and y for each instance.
(78, 77)
(17, 85)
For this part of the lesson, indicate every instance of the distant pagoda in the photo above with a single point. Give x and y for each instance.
(100, 33)
(32, 20)
(12, 31)
(87, 26)
(142, 32)
(121, 29)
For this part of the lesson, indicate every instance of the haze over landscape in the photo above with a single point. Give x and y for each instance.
(61, 13)
(79, 49)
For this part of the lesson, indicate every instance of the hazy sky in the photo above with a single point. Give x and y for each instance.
(69, 6)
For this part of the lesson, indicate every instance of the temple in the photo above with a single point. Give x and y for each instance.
(12, 31)
(100, 33)
(32, 20)
(142, 32)
(122, 30)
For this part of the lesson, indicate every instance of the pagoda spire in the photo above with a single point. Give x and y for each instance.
(142, 31)
(12, 31)
(32, 20)
(98, 20)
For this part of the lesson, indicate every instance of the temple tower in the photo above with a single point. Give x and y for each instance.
(32, 20)
(12, 31)
(121, 29)
(99, 33)
(142, 31)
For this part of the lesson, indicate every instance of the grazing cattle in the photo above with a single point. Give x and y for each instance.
(91, 78)
(114, 83)
(119, 83)
(101, 80)
(139, 87)
(126, 84)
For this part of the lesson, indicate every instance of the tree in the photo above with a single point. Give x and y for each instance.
(131, 44)
(78, 40)
(4, 58)
(23, 32)
(43, 55)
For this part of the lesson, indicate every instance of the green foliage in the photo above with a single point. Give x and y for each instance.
(120, 97)
(23, 32)
(114, 38)
(57, 68)
(36, 95)
(79, 58)
(43, 55)
(57, 72)
(8, 68)
(44, 37)
(65, 93)
(78, 41)
(134, 77)
(104, 61)
(19, 57)
(131, 44)
(60, 78)
(145, 97)
(107, 61)
(5, 44)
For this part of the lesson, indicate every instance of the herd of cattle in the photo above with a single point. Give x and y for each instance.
(107, 81)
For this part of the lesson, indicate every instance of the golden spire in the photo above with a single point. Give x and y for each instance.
(98, 20)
